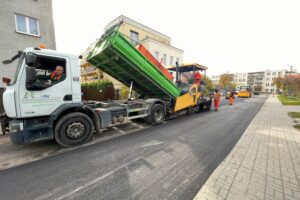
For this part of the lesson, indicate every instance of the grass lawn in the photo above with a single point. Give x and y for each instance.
(294, 114)
(297, 126)
(288, 100)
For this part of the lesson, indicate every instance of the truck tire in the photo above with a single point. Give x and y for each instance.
(73, 129)
(157, 115)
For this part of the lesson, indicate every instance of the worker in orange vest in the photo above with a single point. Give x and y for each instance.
(197, 78)
(231, 98)
(57, 75)
(217, 98)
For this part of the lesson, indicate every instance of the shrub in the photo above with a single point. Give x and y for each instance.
(98, 85)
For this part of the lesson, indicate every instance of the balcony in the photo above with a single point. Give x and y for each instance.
(88, 71)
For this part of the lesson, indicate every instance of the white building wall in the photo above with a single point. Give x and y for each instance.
(12, 41)
(156, 47)
(270, 75)
(215, 79)
(267, 81)
(240, 79)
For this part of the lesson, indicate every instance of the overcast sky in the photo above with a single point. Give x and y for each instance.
(224, 35)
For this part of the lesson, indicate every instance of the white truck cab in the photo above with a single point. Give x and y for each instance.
(40, 107)
(23, 99)
(33, 101)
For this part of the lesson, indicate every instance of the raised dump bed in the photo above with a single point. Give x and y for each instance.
(155, 62)
(120, 59)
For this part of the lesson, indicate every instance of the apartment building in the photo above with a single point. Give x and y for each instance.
(261, 81)
(215, 79)
(157, 43)
(256, 80)
(240, 79)
(270, 76)
(89, 73)
(24, 23)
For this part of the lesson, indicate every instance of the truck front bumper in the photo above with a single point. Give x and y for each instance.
(16, 131)
(25, 131)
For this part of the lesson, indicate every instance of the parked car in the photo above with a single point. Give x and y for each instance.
(256, 93)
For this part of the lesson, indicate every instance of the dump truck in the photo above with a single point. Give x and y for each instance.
(39, 109)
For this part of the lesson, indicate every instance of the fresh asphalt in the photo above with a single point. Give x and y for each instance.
(169, 161)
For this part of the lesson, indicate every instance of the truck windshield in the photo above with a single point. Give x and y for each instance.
(21, 59)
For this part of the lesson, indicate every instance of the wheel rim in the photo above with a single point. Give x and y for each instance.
(158, 115)
(75, 130)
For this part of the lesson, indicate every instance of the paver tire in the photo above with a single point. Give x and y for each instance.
(73, 129)
(208, 106)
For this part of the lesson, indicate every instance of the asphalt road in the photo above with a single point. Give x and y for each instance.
(169, 161)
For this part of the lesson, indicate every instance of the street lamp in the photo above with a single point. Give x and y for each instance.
(289, 79)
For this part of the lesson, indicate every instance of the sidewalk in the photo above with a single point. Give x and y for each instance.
(264, 164)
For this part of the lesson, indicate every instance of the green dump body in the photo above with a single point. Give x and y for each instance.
(120, 59)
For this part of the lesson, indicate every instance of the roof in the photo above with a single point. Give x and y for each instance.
(137, 24)
(162, 44)
(189, 67)
(293, 75)
(51, 52)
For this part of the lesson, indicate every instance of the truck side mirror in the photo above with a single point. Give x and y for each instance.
(30, 75)
(30, 59)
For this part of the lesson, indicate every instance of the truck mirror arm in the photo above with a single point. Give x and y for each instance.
(5, 62)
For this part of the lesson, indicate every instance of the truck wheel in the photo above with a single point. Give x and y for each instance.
(157, 114)
(73, 129)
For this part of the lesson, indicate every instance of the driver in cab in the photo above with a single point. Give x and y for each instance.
(56, 76)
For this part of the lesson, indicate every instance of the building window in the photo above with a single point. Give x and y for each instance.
(156, 55)
(268, 79)
(279, 73)
(267, 90)
(27, 25)
(268, 74)
(134, 37)
(272, 85)
(274, 73)
(171, 60)
(165, 59)
(267, 84)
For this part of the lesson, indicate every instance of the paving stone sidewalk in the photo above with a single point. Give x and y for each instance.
(264, 164)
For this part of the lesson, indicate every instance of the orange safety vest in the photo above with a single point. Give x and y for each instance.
(197, 78)
(217, 96)
(54, 77)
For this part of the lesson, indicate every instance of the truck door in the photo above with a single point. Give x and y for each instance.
(51, 89)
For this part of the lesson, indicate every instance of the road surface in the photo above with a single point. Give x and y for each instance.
(169, 161)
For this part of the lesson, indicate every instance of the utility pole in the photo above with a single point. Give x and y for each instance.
(289, 79)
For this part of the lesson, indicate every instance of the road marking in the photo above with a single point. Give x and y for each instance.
(152, 143)
(140, 126)
(119, 130)
(71, 193)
